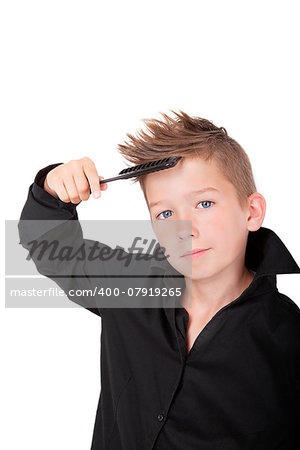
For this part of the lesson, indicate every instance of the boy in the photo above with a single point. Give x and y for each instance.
(222, 370)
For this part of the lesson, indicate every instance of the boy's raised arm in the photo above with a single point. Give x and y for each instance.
(49, 222)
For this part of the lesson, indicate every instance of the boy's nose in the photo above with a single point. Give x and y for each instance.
(185, 229)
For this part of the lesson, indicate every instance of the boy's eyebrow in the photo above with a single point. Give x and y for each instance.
(199, 191)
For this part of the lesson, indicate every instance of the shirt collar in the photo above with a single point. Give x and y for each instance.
(265, 254)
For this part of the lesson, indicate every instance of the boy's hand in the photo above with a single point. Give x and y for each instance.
(72, 182)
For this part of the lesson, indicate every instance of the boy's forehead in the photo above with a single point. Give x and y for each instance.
(190, 175)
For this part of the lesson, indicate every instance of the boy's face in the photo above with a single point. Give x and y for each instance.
(184, 221)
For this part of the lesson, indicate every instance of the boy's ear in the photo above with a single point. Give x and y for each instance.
(256, 211)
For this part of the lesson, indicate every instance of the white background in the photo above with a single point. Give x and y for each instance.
(76, 76)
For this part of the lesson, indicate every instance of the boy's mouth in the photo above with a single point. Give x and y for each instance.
(194, 253)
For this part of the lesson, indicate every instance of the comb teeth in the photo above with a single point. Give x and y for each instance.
(159, 162)
(142, 169)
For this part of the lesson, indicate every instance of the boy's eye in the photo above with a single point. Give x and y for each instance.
(205, 202)
(163, 213)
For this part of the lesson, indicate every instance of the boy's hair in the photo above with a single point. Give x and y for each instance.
(191, 136)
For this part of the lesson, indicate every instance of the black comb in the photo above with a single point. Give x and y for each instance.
(148, 167)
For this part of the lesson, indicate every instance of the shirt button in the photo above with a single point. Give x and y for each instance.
(160, 417)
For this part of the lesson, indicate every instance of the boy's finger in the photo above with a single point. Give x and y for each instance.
(103, 185)
(71, 189)
(62, 193)
(93, 179)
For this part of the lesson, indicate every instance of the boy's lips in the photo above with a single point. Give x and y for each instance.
(195, 251)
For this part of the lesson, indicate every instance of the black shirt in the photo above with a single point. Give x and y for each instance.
(239, 386)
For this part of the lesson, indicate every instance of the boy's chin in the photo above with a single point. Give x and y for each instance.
(192, 273)
(190, 269)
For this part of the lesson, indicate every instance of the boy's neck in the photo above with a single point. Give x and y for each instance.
(209, 295)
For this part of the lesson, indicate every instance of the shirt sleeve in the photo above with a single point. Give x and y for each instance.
(47, 224)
